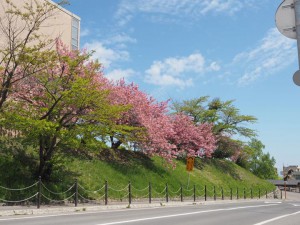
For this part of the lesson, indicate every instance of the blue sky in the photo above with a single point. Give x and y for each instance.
(184, 49)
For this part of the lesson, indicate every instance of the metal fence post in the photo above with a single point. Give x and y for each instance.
(181, 194)
(266, 194)
(106, 192)
(237, 193)
(205, 193)
(129, 192)
(76, 192)
(230, 193)
(259, 193)
(149, 192)
(39, 192)
(167, 193)
(244, 193)
(251, 193)
(222, 193)
(215, 197)
(194, 192)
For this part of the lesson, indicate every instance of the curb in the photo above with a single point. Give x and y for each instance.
(88, 208)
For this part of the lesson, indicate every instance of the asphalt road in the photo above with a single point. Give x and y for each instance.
(247, 213)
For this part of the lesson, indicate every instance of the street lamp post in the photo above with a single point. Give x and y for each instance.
(287, 19)
(296, 76)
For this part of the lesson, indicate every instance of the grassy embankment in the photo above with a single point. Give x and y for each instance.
(120, 167)
(124, 166)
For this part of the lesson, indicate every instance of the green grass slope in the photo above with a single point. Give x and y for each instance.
(121, 167)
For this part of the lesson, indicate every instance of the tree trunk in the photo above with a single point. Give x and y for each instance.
(47, 147)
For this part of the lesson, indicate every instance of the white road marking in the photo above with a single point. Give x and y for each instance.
(273, 202)
(276, 218)
(295, 204)
(183, 214)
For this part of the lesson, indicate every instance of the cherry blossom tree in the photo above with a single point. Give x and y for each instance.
(65, 101)
(192, 139)
(148, 117)
(157, 131)
(227, 122)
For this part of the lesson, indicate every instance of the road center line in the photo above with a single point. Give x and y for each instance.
(277, 218)
(184, 214)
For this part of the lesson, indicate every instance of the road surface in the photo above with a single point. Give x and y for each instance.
(241, 213)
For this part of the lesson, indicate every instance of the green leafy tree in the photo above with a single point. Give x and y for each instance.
(255, 160)
(226, 119)
(62, 107)
(223, 114)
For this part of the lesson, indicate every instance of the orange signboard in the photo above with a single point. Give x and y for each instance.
(190, 163)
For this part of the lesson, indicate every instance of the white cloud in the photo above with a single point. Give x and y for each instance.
(214, 66)
(84, 32)
(120, 41)
(121, 38)
(182, 8)
(118, 74)
(106, 55)
(273, 53)
(229, 6)
(178, 71)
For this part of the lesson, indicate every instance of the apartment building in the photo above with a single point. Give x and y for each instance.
(62, 23)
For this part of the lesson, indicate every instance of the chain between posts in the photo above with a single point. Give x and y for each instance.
(218, 193)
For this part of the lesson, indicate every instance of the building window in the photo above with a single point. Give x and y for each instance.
(75, 34)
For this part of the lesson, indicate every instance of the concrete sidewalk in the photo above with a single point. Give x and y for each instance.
(294, 196)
